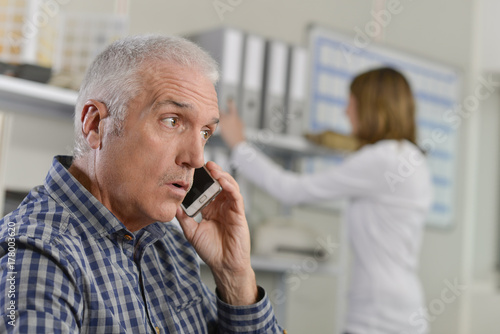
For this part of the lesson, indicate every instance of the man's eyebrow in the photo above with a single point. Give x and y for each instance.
(183, 105)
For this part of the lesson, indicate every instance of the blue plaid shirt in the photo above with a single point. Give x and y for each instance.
(67, 265)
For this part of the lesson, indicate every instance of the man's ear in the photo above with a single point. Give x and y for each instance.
(93, 113)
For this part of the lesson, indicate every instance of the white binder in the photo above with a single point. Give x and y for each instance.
(296, 109)
(225, 45)
(250, 107)
(275, 82)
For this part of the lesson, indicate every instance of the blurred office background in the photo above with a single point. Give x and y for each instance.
(460, 259)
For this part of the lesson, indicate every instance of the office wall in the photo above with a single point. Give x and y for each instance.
(486, 233)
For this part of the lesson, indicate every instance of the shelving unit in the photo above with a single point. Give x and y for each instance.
(21, 99)
(286, 144)
(19, 95)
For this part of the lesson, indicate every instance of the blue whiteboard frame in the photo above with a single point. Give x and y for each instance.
(336, 58)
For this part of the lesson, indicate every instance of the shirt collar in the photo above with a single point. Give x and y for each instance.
(95, 217)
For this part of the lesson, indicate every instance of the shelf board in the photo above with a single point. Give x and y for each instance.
(288, 265)
(284, 265)
(295, 145)
(19, 95)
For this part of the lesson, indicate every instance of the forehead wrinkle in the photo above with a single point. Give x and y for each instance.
(181, 94)
(178, 83)
(183, 105)
(180, 90)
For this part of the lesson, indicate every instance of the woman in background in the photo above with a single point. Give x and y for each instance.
(388, 185)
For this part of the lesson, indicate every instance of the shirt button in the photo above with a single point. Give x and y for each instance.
(128, 237)
(157, 330)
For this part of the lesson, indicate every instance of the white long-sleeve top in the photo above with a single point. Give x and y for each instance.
(389, 189)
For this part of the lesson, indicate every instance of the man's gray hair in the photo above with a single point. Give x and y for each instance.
(115, 79)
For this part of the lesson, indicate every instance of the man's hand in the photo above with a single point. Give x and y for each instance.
(222, 240)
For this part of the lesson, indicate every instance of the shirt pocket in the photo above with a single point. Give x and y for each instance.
(189, 317)
(181, 306)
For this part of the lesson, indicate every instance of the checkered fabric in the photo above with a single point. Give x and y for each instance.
(67, 265)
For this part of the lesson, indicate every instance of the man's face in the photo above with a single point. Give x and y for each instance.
(145, 172)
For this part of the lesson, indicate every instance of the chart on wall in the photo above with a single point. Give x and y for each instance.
(336, 58)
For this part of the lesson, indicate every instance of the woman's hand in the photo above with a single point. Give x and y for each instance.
(231, 126)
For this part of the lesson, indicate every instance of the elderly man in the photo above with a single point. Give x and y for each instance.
(88, 252)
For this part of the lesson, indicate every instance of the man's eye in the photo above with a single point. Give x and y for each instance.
(171, 122)
(205, 134)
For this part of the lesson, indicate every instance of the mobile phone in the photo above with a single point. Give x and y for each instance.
(202, 192)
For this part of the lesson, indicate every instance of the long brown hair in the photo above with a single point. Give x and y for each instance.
(385, 106)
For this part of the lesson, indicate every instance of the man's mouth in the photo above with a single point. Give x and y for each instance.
(182, 185)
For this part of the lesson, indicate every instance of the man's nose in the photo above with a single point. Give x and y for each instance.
(191, 151)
